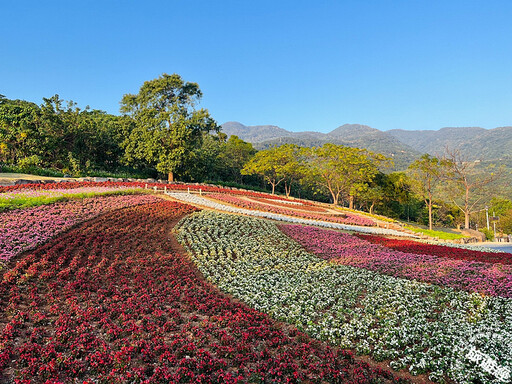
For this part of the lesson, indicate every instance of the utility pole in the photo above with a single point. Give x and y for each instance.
(487, 215)
(494, 224)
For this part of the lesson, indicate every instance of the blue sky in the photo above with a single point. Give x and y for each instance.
(301, 65)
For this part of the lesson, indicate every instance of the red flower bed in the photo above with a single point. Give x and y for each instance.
(113, 300)
(416, 247)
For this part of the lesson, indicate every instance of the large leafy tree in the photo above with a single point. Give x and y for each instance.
(275, 164)
(342, 171)
(167, 125)
(235, 154)
(426, 174)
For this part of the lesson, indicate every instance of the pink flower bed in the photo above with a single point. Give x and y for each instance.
(23, 229)
(349, 219)
(473, 276)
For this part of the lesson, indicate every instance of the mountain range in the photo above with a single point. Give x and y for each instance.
(403, 146)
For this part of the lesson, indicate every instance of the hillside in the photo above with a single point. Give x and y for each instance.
(401, 145)
(352, 135)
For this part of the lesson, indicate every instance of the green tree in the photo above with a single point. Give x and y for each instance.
(342, 171)
(234, 155)
(167, 125)
(271, 164)
(500, 206)
(426, 174)
(19, 133)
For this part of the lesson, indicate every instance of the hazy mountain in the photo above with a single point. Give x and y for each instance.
(353, 135)
(256, 133)
(401, 145)
(434, 142)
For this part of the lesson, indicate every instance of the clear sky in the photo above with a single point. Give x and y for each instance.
(301, 65)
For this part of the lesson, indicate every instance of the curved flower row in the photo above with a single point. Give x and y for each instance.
(201, 201)
(112, 301)
(291, 204)
(139, 184)
(424, 327)
(458, 253)
(447, 271)
(59, 192)
(23, 229)
(349, 219)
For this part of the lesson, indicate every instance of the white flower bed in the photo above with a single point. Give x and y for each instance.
(198, 200)
(422, 327)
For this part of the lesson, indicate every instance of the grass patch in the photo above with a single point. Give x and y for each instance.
(21, 202)
(440, 234)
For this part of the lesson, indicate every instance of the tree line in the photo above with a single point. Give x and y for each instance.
(161, 131)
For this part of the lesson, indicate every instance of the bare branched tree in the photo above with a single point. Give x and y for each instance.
(466, 181)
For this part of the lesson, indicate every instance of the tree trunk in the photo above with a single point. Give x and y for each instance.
(273, 188)
(287, 189)
(371, 207)
(430, 214)
(466, 209)
(351, 202)
(170, 177)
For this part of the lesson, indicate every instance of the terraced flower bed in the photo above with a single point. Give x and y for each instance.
(24, 198)
(114, 301)
(303, 206)
(217, 205)
(24, 229)
(415, 326)
(452, 252)
(348, 219)
(449, 271)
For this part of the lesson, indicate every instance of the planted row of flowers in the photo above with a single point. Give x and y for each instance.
(141, 184)
(112, 301)
(458, 253)
(421, 327)
(446, 271)
(203, 202)
(24, 198)
(348, 219)
(294, 204)
(23, 229)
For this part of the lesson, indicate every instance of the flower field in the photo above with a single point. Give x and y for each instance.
(24, 229)
(98, 290)
(458, 253)
(450, 271)
(217, 205)
(114, 301)
(253, 205)
(23, 198)
(303, 206)
(424, 328)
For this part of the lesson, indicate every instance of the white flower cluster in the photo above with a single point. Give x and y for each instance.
(415, 325)
(198, 200)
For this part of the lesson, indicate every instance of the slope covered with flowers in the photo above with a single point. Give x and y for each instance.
(343, 248)
(424, 328)
(23, 229)
(457, 253)
(253, 205)
(113, 301)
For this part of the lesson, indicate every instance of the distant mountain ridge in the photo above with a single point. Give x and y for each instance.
(401, 145)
